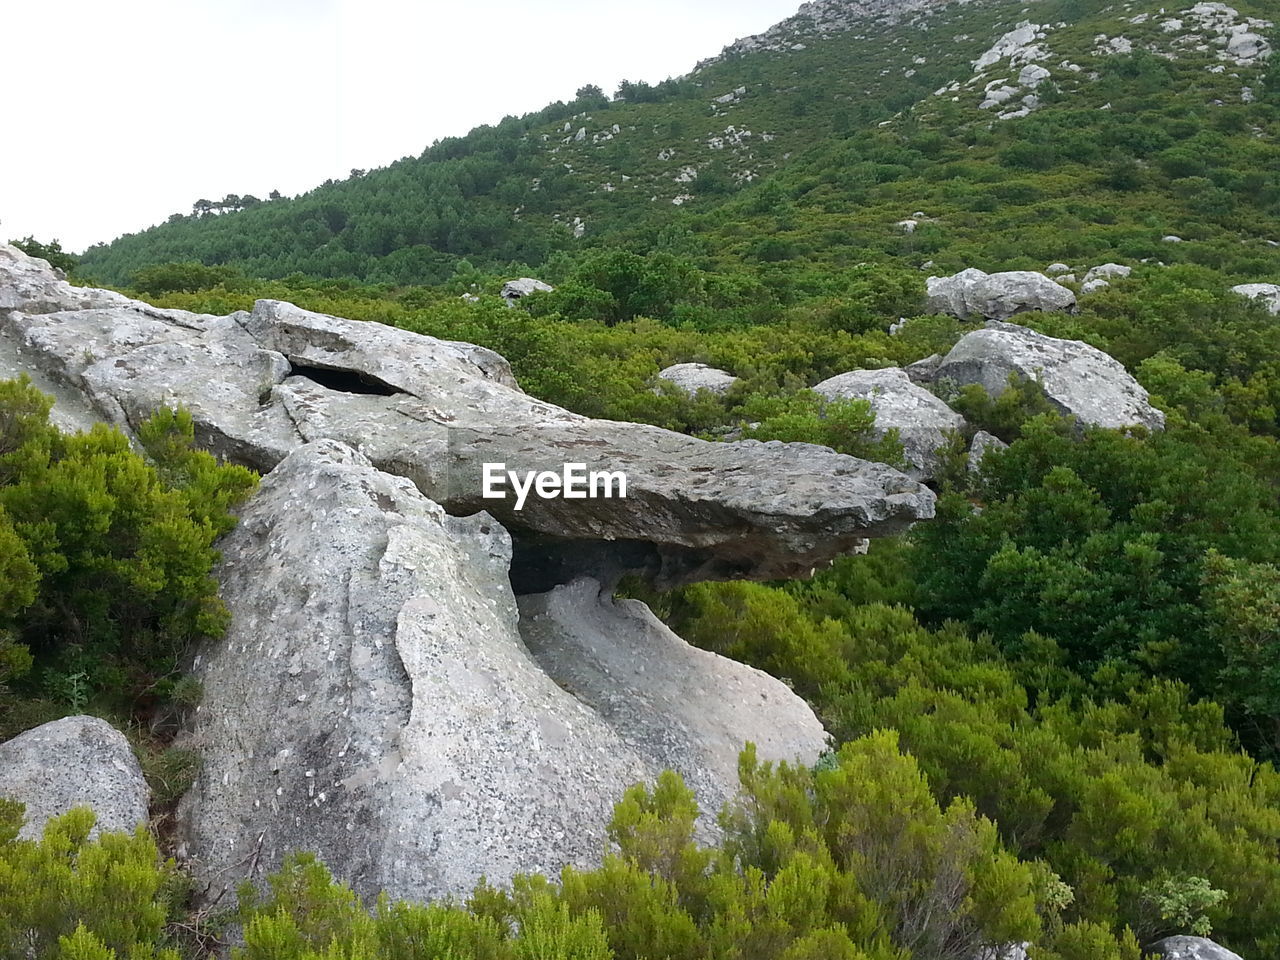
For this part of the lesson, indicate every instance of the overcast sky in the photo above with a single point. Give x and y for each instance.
(132, 110)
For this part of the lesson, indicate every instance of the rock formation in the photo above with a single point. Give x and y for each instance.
(514, 290)
(923, 422)
(74, 762)
(996, 296)
(1267, 294)
(373, 700)
(1190, 948)
(1079, 380)
(261, 384)
(692, 377)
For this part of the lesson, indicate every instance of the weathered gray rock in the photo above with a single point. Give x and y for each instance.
(1093, 286)
(978, 447)
(74, 762)
(262, 384)
(679, 708)
(1106, 271)
(996, 296)
(514, 290)
(922, 371)
(1078, 379)
(922, 420)
(1267, 293)
(373, 702)
(693, 377)
(1190, 948)
(1056, 268)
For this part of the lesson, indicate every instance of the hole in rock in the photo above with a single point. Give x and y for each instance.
(346, 381)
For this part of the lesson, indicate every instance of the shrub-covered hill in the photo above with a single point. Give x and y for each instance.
(809, 145)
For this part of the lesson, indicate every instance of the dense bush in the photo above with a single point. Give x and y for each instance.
(106, 555)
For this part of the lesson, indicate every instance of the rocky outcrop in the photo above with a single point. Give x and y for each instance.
(996, 296)
(373, 701)
(1189, 948)
(924, 423)
(675, 706)
(74, 762)
(692, 377)
(514, 290)
(1268, 294)
(261, 384)
(1078, 379)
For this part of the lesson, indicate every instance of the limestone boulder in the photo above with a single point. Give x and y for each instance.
(1078, 379)
(996, 296)
(263, 383)
(514, 290)
(1190, 948)
(923, 422)
(74, 762)
(692, 377)
(374, 702)
(1268, 294)
(1107, 271)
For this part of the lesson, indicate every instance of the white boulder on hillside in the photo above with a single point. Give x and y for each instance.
(996, 296)
(1267, 293)
(74, 762)
(922, 420)
(693, 377)
(514, 290)
(1107, 271)
(1078, 379)
(1190, 948)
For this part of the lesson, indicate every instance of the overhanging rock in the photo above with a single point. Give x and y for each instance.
(264, 383)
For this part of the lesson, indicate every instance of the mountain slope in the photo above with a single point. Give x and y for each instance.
(813, 140)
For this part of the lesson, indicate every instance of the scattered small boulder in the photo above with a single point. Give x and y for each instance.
(981, 443)
(1078, 379)
(694, 377)
(1056, 268)
(1190, 948)
(1107, 270)
(1267, 293)
(1093, 286)
(74, 762)
(922, 420)
(514, 290)
(1171, 238)
(996, 296)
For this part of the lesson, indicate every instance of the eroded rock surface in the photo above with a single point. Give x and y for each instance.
(373, 701)
(924, 423)
(74, 762)
(1080, 380)
(996, 296)
(261, 384)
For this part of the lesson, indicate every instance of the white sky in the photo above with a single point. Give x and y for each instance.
(131, 110)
